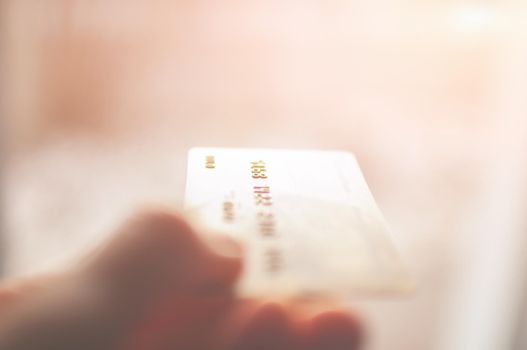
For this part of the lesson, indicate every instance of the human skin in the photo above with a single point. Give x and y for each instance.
(156, 285)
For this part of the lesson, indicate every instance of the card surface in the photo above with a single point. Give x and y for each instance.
(307, 221)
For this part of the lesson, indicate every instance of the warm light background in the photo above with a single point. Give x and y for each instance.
(103, 98)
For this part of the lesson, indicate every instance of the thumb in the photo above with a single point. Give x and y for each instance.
(158, 252)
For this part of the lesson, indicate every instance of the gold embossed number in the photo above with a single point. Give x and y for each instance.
(258, 170)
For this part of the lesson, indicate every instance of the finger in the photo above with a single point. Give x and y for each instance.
(333, 330)
(177, 323)
(267, 328)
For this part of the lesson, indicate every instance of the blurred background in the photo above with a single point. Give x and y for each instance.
(100, 101)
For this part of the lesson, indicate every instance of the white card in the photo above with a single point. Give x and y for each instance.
(306, 219)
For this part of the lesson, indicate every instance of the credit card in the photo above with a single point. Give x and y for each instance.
(307, 221)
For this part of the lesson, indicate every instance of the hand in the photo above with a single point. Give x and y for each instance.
(157, 286)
